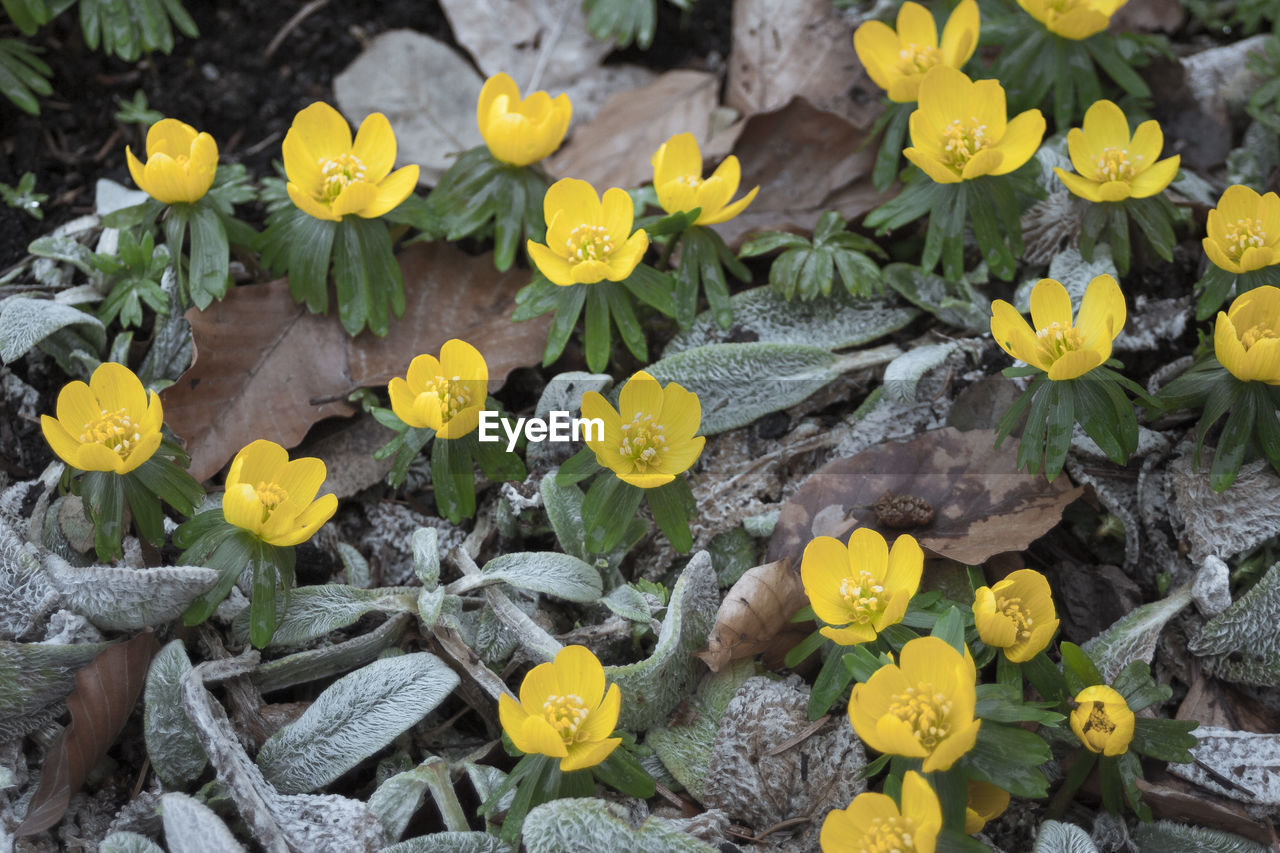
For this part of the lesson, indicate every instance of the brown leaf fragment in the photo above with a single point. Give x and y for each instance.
(677, 102)
(983, 505)
(753, 612)
(266, 368)
(1148, 16)
(1171, 798)
(806, 161)
(806, 52)
(105, 694)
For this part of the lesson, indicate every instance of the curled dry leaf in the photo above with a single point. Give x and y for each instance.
(753, 613)
(106, 691)
(1171, 798)
(677, 102)
(266, 368)
(983, 505)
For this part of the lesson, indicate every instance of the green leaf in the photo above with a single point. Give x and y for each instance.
(1061, 420)
(299, 245)
(622, 772)
(673, 507)
(210, 256)
(769, 241)
(1104, 52)
(1165, 740)
(103, 494)
(171, 484)
(831, 682)
(950, 629)
(889, 155)
(1078, 669)
(624, 21)
(624, 317)
(1232, 443)
(262, 602)
(1133, 637)
(369, 283)
(608, 508)
(229, 559)
(1138, 688)
(597, 333)
(955, 304)
(148, 518)
(1003, 703)
(653, 288)
(1007, 756)
(577, 467)
(569, 305)
(453, 479)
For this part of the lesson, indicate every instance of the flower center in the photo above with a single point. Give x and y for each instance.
(566, 714)
(338, 172)
(1113, 165)
(917, 58)
(452, 395)
(691, 181)
(591, 242)
(864, 595)
(925, 711)
(889, 835)
(1099, 721)
(643, 442)
(1055, 341)
(961, 140)
(1259, 332)
(1012, 608)
(114, 430)
(1242, 234)
(271, 495)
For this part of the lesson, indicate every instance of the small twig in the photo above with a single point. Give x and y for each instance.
(667, 794)
(533, 638)
(261, 146)
(290, 25)
(800, 736)
(548, 45)
(454, 647)
(778, 827)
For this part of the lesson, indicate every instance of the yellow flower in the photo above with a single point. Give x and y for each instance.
(330, 177)
(1073, 19)
(960, 131)
(921, 708)
(863, 587)
(985, 802)
(1244, 230)
(1246, 338)
(1056, 346)
(1113, 165)
(897, 61)
(564, 711)
(1016, 615)
(1102, 720)
(446, 395)
(873, 823)
(677, 179)
(180, 163)
(652, 437)
(518, 131)
(275, 498)
(588, 239)
(111, 424)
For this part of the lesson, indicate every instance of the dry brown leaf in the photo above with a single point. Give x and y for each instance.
(106, 691)
(1171, 798)
(1148, 16)
(806, 52)
(753, 612)
(266, 368)
(604, 156)
(1215, 703)
(982, 504)
(805, 161)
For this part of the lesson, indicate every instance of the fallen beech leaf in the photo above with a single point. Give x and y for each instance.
(1173, 799)
(806, 161)
(266, 368)
(106, 691)
(753, 612)
(676, 102)
(982, 504)
(806, 52)
(1216, 703)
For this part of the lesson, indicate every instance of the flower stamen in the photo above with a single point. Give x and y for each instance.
(451, 395)
(590, 243)
(643, 442)
(917, 58)
(1243, 234)
(114, 430)
(339, 172)
(566, 714)
(890, 835)
(1113, 164)
(961, 140)
(1055, 340)
(865, 597)
(926, 711)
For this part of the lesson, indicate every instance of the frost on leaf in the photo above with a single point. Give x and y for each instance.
(1134, 637)
(172, 742)
(1165, 835)
(1243, 643)
(652, 687)
(1055, 837)
(353, 718)
(122, 599)
(191, 827)
(769, 765)
(1250, 760)
(1231, 522)
(313, 611)
(34, 676)
(583, 824)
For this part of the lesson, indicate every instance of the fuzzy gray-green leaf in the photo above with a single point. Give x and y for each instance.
(1055, 837)
(313, 611)
(355, 717)
(583, 824)
(1243, 643)
(1134, 636)
(172, 742)
(24, 322)
(1165, 836)
(548, 572)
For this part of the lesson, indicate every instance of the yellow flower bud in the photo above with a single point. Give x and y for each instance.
(519, 131)
(180, 163)
(1246, 338)
(1102, 720)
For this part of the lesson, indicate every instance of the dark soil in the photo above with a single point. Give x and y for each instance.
(224, 83)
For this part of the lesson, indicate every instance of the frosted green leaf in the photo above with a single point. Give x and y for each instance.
(426, 556)
(451, 842)
(738, 383)
(1243, 643)
(582, 824)
(1248, 759)
(652, 687)
(903, 374)
(561, 575)
(128, 842)
(1134, 637)
(25, 322)
(1055, 837)
(564, 391)
(313, 611)
(1165, 836)
(761, 314)
(686, 749)
(192, 827)
(356, 565)
(331, 660)
(355, 717)
(34, 676)
(395, 800)
(123, 599)
(564, 511)
(172, 742)
(629, 603)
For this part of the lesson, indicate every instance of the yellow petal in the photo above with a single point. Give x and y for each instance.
(322, 131)
(136, 170)
(1022, 137)
(1102, 312)
(512, 716)
(116, 387)
(460, 360)
(1105, 126)
(642, 395)
(1013, 335)
(868, 552)
(541, 739)
(305, 524)
(678, 157)
(300, 165)
(499, 85)
(916, 26)
(985, 101)
(617, 214)
(392, 191)
(580, 673)
(166, 180)
(354, 198)
(551, 265)
(906, 564)
(1050, 303)
(1082, 187)
(1114, 191)
(170, 136)
(588, 754)
(577, 199)
(1155, 179)
(257, 462)
(63, 444)
(602, 720)
(877, 47)
(680, 457)
(952, 748)
(99, 457)
(1080, 23)
(850, 635)
(241, 507)
(77, 407)
(1238, 202)
(1147, 143)
(646, 481)
(985, 162)
(824, 566)
(1073, 365)
(932, 166)
(589, 272)
(681, 413)
(302, 478)
(1080, 152)
(960, 35)
(1228, 349)
(309, 205)
(729, 211)
(921, 806)
(375, 145)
